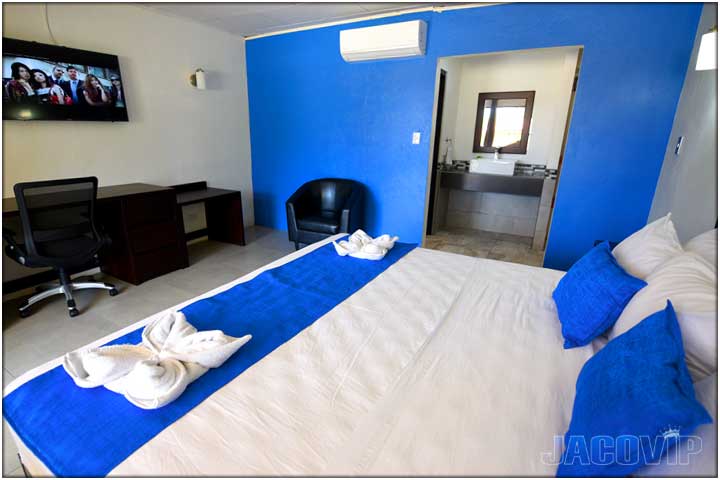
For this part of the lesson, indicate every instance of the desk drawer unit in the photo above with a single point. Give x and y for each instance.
(152, 237)
(147, 236)
(149, 209)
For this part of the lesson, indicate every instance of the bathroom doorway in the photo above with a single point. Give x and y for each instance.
(500, 126)
(436, 149)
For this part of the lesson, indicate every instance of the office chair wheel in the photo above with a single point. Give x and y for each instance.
(25, 313)
(113, 291)
(74, 312)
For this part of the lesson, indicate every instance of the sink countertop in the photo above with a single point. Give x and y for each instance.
(530, 185)
(466, 172)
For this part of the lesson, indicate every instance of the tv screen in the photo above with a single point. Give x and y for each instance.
(48, 82)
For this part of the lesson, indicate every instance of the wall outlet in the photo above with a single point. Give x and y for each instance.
(416, 138)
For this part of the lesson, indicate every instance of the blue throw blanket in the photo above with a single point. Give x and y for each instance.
(88, 432)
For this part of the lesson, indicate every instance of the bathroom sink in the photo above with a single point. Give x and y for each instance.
(492, 166)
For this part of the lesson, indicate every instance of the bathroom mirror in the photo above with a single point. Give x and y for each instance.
(503, 122)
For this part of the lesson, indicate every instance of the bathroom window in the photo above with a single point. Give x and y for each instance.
(503, 122)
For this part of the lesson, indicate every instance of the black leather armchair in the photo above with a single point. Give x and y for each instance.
(325, 207)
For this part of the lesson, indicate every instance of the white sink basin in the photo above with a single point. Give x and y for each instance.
(491, 166)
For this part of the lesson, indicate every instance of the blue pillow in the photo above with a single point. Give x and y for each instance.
(633, 401)
(592, 295)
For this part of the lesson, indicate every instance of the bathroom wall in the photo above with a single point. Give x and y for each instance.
(548, 71)
(453, 68)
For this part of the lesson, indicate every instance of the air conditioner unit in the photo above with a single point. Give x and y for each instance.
(404, 39)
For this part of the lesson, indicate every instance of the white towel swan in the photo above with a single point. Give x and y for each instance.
(362, 245)
(154, 373)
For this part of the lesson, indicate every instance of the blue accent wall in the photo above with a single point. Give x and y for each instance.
(314, 115)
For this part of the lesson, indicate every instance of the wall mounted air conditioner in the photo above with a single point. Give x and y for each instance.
(394, 40)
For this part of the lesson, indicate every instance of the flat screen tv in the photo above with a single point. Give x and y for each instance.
(48, 82)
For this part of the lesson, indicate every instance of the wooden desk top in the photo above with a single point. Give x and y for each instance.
(197, 196)
(10, 207)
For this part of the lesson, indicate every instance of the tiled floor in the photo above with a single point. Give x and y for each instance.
(49, 332)
(479, 243)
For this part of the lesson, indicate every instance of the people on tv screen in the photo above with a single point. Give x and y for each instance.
(61, 84)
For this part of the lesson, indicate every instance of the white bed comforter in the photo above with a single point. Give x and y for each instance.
(444, 364)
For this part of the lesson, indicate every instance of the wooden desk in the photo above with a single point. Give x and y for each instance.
(143, 224)
(223, 211)
(10, 207)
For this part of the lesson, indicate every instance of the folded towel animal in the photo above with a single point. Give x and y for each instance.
(152, 374)
(362, 245)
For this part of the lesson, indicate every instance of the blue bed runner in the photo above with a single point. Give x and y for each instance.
(88, 432)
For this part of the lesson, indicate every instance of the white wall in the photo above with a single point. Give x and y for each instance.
(549, 72)
(687, 186)
(176, 134)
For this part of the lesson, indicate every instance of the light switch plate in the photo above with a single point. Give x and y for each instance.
(416, 138)
(679, 145)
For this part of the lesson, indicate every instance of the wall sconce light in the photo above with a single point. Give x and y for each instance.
(707, 53)
(197, 79)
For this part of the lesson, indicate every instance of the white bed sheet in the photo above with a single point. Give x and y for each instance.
(444, 364)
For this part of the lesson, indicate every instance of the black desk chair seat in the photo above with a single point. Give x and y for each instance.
(59, 232)
(325, 207)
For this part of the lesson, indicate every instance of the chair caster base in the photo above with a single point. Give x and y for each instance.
(66, 287)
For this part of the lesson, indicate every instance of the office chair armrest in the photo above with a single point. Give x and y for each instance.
(13, 249)
(9, 237)
(104, 237)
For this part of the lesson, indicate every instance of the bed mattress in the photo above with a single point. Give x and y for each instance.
(442, 365)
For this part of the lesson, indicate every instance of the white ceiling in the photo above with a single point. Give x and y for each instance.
(246, 19)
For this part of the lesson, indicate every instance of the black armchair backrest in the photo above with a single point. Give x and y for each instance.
(56, 210)
(328, 194)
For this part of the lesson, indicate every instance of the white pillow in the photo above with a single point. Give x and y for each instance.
(690, 283)
(699, 332)
(679, 462)
(705, 245)
(645, 250)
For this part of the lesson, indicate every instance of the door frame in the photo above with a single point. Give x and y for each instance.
(440, 101)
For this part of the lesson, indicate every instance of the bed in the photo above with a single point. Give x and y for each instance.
(441, 365)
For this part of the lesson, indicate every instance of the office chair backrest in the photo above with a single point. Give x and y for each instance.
(56, 210)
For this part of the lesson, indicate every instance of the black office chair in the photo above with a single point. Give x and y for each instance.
(59, 232)
(325, 207)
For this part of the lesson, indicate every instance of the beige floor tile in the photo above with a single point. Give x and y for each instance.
(11, 461)
(483, 244)
(17, 473)
(7, 377)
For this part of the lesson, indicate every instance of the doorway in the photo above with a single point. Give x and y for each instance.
(473, 208)
(440, 100)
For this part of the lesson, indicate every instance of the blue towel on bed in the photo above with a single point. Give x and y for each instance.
(88, 432)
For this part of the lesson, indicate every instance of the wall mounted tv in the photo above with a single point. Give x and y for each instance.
(48, 82)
